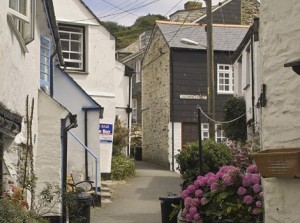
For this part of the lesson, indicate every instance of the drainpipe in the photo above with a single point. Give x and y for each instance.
(86, 109)
(252, 81)
(129, 110)
(51, 72)
(64, 139)
(172, 106)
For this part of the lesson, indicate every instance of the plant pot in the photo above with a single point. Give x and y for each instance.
(278, 162)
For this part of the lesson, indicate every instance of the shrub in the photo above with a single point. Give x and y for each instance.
(234, 108)
(214, 155)
(120, 140)
(122, 167)
(13, 212)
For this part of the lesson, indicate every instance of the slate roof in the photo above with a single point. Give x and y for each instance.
(225, 37)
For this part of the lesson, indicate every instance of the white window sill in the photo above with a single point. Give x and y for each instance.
(224, 92)
(76, 72)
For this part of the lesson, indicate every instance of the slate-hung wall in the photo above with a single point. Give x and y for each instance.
(190, 78)
(156, 101)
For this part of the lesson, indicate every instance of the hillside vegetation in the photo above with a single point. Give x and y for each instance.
(128, 34)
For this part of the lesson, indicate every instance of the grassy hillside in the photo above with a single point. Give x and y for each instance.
(127, 35)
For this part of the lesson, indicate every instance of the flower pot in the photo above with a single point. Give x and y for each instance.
(278, 162)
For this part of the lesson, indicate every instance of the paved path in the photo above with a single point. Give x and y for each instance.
(137, 201)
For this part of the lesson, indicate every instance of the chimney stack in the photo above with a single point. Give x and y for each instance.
(192, 5)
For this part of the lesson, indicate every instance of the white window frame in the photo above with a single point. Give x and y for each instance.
(16, 11)
(134, 111)
(143, 40)
(219, 133)
(23, 25)
(204, 131)
(138, 71)
(45, 57)
(225, 79)
(81, 52)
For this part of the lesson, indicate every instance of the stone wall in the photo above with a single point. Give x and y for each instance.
(249, 10)
(279, 38)
(156, 101)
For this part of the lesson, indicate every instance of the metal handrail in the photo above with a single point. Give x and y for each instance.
(95, 157)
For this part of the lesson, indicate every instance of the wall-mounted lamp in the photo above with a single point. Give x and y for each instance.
(295, 65)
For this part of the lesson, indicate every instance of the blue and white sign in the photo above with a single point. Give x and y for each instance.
(106, 132)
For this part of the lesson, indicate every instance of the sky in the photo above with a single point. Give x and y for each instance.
(125, 12)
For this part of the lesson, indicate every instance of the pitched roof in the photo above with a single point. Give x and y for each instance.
(225, 37)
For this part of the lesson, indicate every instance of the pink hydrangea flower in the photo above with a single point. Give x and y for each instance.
(247, 180)
(248, 199)
(255, 179)
(242, 191)
(191, 189)
(227, 180)
(184, 194)
(195, 202)
(252, 169)
(198, 193)
(193, 211)
(197, 217)
(257, 188)
(258, 204)
(203, 200)
(188, 201)
(214, 186)
(189, 217)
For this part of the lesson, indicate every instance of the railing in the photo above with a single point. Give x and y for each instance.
(93, 155)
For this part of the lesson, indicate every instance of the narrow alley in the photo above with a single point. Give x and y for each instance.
(137, 201)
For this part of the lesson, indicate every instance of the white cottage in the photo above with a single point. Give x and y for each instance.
(89, 55)
(31, 122)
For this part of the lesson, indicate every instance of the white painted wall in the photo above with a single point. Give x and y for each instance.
(177, 143)
(243, 84)
(48, 155)
(64, 91)
(20, 76)
(99, 80)
(279, 38)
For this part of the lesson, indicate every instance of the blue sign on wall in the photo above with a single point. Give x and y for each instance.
(106, 132)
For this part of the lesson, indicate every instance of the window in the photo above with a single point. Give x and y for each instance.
(205, 131)
(45, 64)
(72, 42)
(20, 9)
(138, 72)
(219, 134)
(134, 111)
(225, 79)
(248, 68)
(21, 16)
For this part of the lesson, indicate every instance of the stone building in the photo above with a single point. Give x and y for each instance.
(175, 84)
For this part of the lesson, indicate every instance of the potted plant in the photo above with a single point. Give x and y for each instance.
(230, 195)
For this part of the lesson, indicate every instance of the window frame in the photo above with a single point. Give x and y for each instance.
(138, 71)
(204, 131)
(82, 61)
(16, 12)
(23, 27)
(218, 129)
(134, 111)
(230, 78)
(45, 82)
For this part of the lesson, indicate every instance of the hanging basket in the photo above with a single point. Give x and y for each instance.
(278, 162)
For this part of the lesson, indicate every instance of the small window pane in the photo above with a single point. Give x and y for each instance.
(75, 56)
(64, 45)
(75, 36)
(75, 46)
